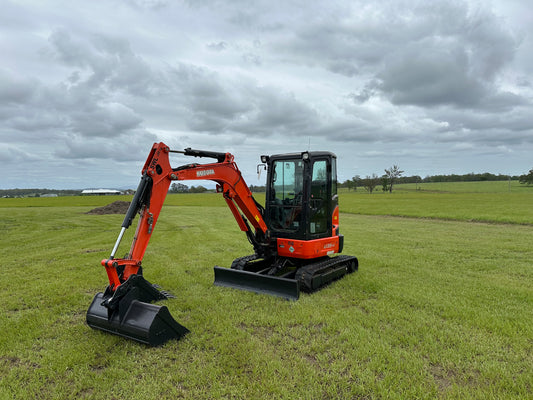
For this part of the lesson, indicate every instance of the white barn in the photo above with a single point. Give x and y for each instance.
(100, 192)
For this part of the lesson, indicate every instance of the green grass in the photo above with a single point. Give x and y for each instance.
(188, 199)
(466, 187)
(441, 307)
(513, 208)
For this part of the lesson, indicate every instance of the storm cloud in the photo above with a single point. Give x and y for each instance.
(436, 87)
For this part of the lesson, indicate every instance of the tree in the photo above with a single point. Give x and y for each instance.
(392, 174)
(385, 183)
(348, 183)
(257, 189)
(527, 178)
(370, 183)
(197, 189)
(356, 181)
(179, 188)
(352, 183)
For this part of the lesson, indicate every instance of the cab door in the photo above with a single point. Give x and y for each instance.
(320, 200)
(285, 198)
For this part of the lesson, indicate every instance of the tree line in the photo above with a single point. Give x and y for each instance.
(37, 192)
(393, 176)
(182, 188)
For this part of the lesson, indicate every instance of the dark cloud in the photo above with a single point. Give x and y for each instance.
(432, 76)
(108, 62)
(149, 4)
(14, 90)
(106, 120)
(219, 46)
(132, 148)
(491, 126)
(458, 69)
(435, 53)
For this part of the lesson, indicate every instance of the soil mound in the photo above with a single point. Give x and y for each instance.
(117, 207)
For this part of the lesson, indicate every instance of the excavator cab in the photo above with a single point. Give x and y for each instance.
(301, 195)
(302, 215)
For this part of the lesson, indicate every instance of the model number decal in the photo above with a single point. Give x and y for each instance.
(205, 172)
(155, 158)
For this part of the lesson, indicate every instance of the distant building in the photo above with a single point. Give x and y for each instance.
(99, 192)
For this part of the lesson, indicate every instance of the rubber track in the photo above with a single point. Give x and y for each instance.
(240, 263)
(306, 274)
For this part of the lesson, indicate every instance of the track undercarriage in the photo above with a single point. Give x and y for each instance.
(284, 277)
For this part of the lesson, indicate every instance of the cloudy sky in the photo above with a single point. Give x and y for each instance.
(436, 87)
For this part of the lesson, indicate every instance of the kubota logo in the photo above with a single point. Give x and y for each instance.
(205, 172)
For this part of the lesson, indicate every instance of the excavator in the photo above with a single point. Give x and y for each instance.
(295, 237)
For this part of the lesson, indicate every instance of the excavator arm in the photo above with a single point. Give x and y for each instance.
(157, 175)
(124, 308)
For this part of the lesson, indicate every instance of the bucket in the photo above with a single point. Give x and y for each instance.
(143, 322)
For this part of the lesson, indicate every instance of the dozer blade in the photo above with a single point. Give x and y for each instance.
(144, 322)
(258, 283)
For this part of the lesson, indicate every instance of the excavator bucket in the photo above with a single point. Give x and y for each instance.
(133, 318)
(252, 281)
(144, 322)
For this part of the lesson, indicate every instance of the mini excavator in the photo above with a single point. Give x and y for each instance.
(295, 237)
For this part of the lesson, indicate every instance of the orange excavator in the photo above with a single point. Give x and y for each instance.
(295, 237)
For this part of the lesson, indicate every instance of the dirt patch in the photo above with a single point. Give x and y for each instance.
(117, 207)
(443, 378)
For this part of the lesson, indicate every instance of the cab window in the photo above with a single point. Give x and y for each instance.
(318, 202)
(286, 194)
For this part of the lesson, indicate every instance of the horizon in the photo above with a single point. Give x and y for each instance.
(211, 184)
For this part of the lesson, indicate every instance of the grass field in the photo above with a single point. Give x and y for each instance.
(466, 187)
(511, 208)
(441, 306)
